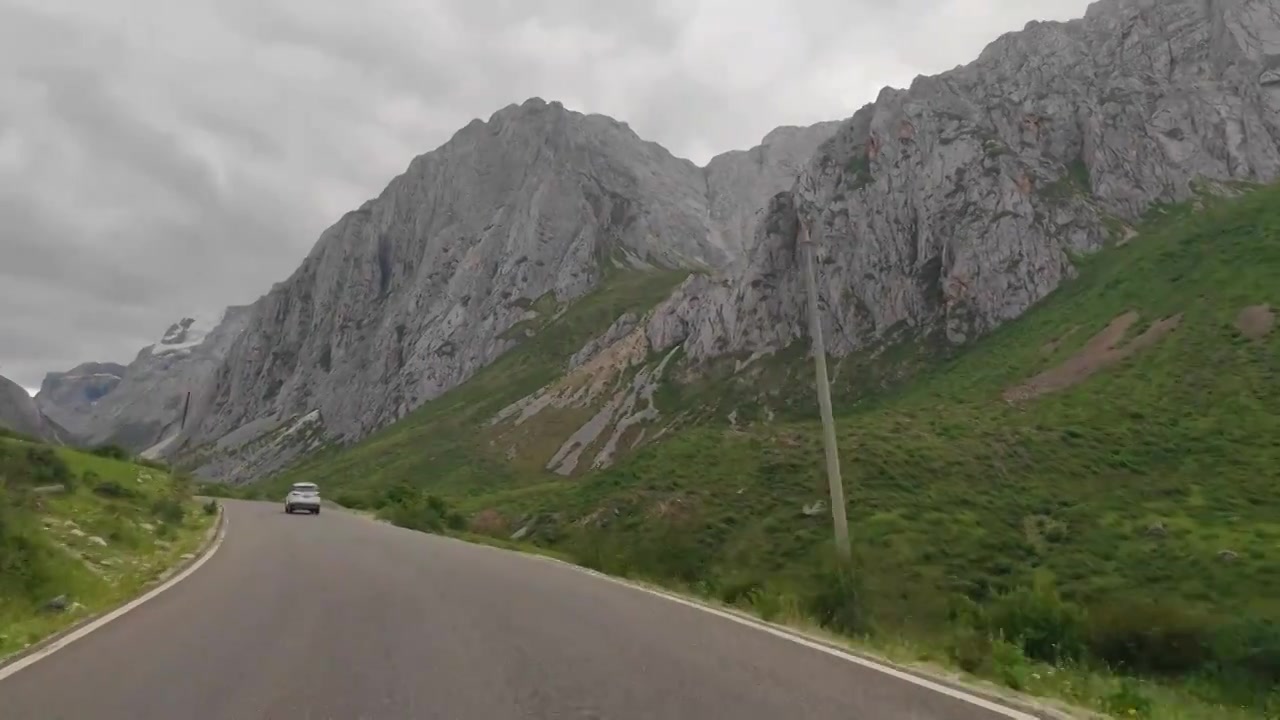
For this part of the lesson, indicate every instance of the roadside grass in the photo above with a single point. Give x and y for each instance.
(1147, 488)
(1097, 522)
(81, 533)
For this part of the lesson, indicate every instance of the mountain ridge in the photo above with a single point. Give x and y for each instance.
(568, 212)
(942, 210)
(20, 414)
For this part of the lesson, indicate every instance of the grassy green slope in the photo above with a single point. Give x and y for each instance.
(953, 487)
(1153, 478)
(112, 528)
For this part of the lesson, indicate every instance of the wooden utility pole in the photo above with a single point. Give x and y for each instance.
(834, 481)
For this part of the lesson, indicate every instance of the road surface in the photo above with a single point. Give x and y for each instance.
(337, 617)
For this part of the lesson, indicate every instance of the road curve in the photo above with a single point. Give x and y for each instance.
(336, 617)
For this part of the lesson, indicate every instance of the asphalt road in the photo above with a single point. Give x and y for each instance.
(336, 617)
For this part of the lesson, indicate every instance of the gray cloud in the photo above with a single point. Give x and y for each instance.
(160, 159)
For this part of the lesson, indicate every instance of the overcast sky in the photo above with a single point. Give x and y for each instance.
(160, 158)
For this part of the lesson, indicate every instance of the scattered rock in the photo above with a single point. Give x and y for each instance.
(1228, 556)
(620, 328)
(77, 532)
(188, 556)
(58, 604)
(95, 540)
(147, 526)
(523, 532)
(814, 509)
(1157, 529)
(49, 489)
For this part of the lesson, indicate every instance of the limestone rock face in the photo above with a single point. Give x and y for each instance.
(68, 397)
(951, 207)
(942, 210)
(18, 412)
(140, 405)
(411, 294)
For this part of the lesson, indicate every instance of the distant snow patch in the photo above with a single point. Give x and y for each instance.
(188, 333)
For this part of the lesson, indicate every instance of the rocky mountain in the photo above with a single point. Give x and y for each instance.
(945, 210)
(939, 212)
(18, 412)
(949, 208)
(68, 397)
(140, 405)
(740, 182)
(407, 296)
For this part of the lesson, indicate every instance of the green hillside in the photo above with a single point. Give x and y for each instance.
(1118, 445)
(81, 533)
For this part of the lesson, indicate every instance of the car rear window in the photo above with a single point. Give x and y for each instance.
(305, 488)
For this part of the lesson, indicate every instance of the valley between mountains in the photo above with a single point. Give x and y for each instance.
(1049, 282)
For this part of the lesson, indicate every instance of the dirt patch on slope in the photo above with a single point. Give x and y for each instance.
(1102, 351)
(489, 522)
(1052, 346)
(1256, 321)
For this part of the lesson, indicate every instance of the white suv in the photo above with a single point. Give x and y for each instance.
(303, 496)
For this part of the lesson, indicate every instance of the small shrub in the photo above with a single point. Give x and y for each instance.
(113, 490)
(413, 510)
(168, 510)
(772, 604)
(1009, 664)
(211, 507)
(838, 603)
(1156, 638)
(1249, 649)
(114, 452)
(126, 535)
(44, 466)
(971, 649)
(1039, 622)
(1127, 702)
(353, 500)
(738, 589)
(455, 521)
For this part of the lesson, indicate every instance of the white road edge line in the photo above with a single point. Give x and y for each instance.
(820, 647)
(66, 640)
(794, 637)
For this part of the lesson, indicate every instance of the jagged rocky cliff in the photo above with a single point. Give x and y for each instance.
(68, 397)
(409, 295)
(140, 405)
(953, 206)
(942, 210)
(18, 412)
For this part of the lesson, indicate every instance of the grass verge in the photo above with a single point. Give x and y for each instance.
(1082, 504)
(82, 533)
